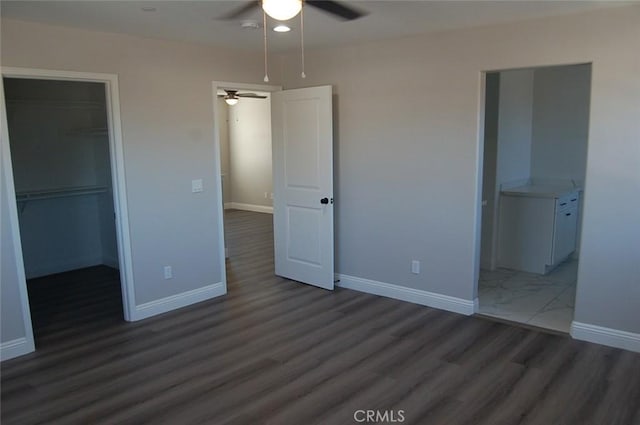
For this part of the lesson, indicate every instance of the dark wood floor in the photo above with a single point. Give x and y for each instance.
(279, 352)
(65, 304)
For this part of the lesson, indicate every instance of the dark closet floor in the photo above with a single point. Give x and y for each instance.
(279, 352)
(70, 304)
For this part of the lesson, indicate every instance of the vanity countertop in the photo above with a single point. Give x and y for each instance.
(540, 191)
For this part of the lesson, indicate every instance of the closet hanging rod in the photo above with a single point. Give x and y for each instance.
(35, 195)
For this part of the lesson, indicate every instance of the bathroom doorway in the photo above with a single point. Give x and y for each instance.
(535, 146)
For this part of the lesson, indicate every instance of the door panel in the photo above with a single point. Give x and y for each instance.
(303, 175)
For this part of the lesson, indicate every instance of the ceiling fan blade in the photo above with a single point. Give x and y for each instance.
(241, 11)
(344, 12)
(252, 95)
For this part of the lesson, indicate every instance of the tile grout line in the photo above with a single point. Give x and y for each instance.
(554, 299)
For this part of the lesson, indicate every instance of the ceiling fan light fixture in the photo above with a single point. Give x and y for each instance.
(231, 100)
(282, 10)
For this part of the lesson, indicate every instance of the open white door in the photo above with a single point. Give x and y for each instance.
(302, 140)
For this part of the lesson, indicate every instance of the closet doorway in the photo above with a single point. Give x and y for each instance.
(66, 164)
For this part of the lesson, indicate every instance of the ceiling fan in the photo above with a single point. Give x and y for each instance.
(282, 10)
(232, 96)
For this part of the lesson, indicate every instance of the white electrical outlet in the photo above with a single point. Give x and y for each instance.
(265, 195)
(168, 272)
(415, 267)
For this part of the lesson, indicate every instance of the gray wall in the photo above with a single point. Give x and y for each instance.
(408, 166)
(223, 133)
(561, 122)
(51, 150)
(167, 128)
(489, 164)
(515, 126)
(250, 151)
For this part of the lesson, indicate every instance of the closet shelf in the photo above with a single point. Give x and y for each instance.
(61, 104)
(35, 195)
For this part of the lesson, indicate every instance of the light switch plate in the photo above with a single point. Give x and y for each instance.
(196, 186)
(168, 272)
(415, 267)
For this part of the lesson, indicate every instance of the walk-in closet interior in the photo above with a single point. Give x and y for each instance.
(60, 154)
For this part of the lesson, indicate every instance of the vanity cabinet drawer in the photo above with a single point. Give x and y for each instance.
(568, 202)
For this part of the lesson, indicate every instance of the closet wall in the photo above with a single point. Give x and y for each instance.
(60, 153)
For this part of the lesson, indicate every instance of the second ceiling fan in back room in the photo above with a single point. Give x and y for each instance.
(232, 96)
(283, 10)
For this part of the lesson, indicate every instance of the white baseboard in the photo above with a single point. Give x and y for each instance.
(248, 207)
(605, 336)
(174, 302)
(60, 267)
(15, 348)
(416, 296)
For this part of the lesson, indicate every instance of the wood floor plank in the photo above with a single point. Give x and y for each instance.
(275, 351)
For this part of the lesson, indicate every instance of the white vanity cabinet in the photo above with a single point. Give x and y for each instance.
(538, 226)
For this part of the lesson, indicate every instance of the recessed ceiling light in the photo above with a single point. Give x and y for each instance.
(281, 28)
(149, 9)
(250, 25)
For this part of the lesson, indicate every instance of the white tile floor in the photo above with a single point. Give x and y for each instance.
(544, 301)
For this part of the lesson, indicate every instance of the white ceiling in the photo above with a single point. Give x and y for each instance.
(196, 21)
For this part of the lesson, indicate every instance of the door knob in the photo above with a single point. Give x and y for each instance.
(324, 201)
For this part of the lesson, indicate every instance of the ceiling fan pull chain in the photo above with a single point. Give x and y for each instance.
(303, 75)
(266, 67)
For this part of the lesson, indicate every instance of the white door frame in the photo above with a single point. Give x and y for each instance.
(221, 85)
(117, 176)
